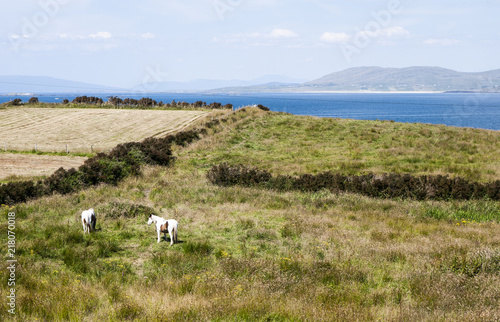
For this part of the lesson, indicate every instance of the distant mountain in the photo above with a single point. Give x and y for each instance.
(209, 84)
(412, 79)
(358, 79)
(407, 79)
(42, 84)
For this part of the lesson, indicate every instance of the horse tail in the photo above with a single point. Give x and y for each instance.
(174, 233)
(93, 220)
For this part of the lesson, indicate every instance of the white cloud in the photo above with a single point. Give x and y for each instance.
(71, 36)
(147, 35)
(335, 37)
(282, 33)
(441, 42)
(387, 32)
(101, 35)
(380, 34)
(276, 36)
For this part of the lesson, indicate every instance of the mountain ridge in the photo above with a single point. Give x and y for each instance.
(383, 79)
(46, 84)
(355, 79)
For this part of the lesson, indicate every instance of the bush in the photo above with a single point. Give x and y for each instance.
(225, 175)
(102, 169)
(19, 191)
(15, 102)
(390, 185)
(88, 100)
(63, 181)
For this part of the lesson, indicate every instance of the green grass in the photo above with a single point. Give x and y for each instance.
(34, 152)
(287, 144)
(262, 255)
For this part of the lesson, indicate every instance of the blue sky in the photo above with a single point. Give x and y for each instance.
(125, 43)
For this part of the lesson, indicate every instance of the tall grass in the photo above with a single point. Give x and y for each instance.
(251, 254)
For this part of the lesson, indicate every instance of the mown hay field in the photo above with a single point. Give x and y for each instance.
(14, 165)
(85, 130)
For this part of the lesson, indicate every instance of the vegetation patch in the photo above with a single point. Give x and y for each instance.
(385, 185)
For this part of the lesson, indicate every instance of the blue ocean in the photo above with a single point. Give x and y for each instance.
(454, 109)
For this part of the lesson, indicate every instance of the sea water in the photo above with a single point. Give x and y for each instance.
(477, 110)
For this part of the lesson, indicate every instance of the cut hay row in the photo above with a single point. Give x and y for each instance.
(85, 130)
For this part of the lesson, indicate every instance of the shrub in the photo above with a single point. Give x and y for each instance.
(33, 100)
(226, 175)
(15, 102)
(64, 181)
(19, 191)
(262, 107)
(102, 169)
(186, 137)
(387, 185)
(88, 100)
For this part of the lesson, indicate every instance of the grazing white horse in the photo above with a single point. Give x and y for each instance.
(164, 226)
(88, 220)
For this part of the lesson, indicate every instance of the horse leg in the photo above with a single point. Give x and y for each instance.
(158, 237)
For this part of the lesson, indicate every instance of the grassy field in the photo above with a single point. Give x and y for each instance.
(286, 144)
(261, 255)
(84, 129)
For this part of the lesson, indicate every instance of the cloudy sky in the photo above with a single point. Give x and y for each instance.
(125, 43)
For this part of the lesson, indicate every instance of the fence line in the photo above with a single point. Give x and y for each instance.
(52, 148)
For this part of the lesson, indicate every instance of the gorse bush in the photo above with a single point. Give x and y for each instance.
(387, 185)
(88, 100)
(225, 175)
(63, 181)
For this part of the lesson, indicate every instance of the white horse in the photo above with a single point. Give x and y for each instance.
(164, 226)
(88, 220)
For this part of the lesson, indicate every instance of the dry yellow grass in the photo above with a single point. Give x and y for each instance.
(29, 165)
(53, 129)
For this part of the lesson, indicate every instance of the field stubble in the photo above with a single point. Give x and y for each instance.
(82, 128)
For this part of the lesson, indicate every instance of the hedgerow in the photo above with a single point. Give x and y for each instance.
(391, 185)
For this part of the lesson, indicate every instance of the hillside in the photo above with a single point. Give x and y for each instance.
(433, 79)
(255, 254)
(42, 84)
